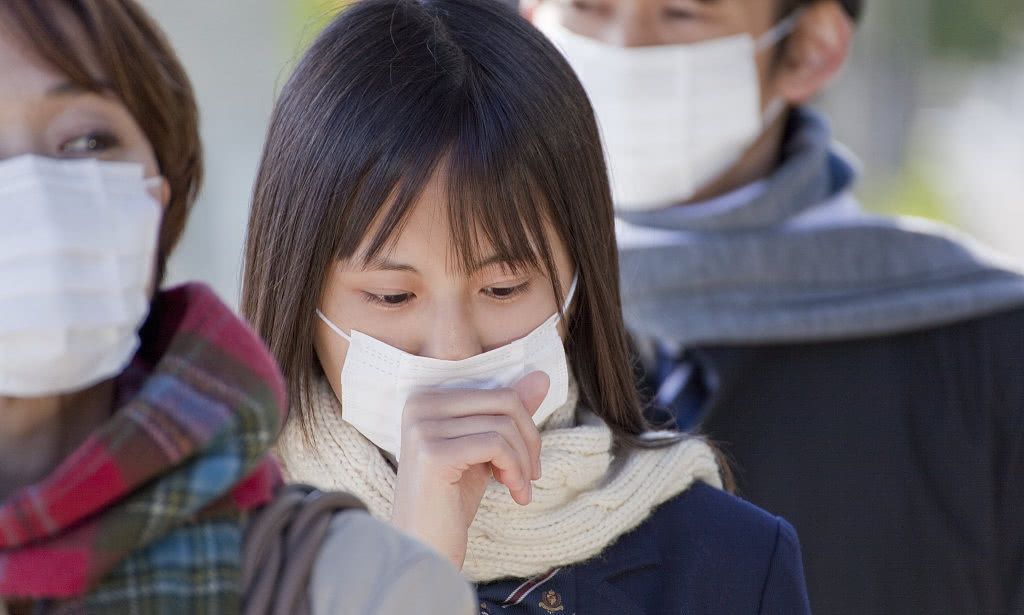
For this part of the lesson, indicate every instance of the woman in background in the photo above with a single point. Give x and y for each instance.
(134, 425)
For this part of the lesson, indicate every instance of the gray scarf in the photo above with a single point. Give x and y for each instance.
(801, 263)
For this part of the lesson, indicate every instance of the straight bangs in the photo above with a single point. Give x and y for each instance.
(50, 37)
(496, 209)
(448, 111)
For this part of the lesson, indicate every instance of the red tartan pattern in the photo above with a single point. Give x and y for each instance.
(203, 387)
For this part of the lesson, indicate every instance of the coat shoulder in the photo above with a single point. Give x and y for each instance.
(713, 553)
(704, 521)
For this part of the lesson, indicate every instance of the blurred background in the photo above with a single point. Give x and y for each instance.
(932, 104)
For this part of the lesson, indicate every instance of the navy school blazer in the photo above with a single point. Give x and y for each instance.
(704, 551)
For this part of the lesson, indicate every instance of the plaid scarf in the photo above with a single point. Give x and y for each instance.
(148, 515)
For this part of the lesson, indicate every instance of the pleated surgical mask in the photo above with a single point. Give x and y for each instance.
(378, 379)
(673, 118)
(77, 249)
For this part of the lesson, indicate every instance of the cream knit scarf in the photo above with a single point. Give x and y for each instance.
(588, 497)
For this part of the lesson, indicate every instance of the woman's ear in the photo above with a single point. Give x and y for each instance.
(815, 53)
(161, 191)
(165, 193)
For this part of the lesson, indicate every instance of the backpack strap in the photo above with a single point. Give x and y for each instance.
(282, 542)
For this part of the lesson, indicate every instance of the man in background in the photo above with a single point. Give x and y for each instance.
(865, 375)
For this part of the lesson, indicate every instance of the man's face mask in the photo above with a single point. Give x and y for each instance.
(673, 118)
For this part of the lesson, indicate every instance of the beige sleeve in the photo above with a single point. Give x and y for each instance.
(366, 567)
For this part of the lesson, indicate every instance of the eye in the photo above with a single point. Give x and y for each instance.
(390, 301)
(90, 144)
(587, 6)
(679, 13)
(505, 293)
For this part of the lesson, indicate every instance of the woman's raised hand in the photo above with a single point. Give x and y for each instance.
(453, 441)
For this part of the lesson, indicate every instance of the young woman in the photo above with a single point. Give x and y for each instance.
(134, 426)
(431, 258)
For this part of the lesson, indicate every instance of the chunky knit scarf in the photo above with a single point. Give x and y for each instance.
(589, 496)
(147, 516)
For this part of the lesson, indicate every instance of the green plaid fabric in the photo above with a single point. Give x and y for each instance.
(148, 516)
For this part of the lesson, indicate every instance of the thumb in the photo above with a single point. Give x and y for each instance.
(532, 389)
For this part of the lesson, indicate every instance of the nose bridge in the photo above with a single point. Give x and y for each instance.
(16, 136)
(635, 25)
(453, 335)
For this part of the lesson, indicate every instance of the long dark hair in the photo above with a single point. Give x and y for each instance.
(394, 90)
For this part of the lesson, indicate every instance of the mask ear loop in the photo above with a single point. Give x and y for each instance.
(569, 297)
(779, 31)
(333, 327)
(769, 39)
(572, 291)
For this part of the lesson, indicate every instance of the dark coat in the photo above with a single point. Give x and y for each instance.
(899, 460)
(704, 551)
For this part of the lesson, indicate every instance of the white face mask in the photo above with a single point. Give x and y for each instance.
(377, 379)
(673, 117)
(77, 249)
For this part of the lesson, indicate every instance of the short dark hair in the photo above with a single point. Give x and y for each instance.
(143, 73)
(853, 7)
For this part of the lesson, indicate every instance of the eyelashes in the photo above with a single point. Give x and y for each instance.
(90, 144)
(675, 13)
(605, 10)
(387, 301)
(398, 300)
(506, 293)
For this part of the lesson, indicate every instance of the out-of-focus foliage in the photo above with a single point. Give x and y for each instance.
(913, 193)
(310, 16)
(974, 29)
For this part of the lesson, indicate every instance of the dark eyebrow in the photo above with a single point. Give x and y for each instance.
(494, 259)
(382, 263)
(70, 88)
